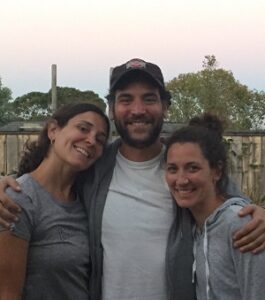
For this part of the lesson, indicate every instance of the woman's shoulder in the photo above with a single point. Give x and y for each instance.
(229, 213)
(29, 190)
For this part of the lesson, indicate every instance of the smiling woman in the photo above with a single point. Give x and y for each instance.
(80, 143)
(50, 241)
(196, 174)
(82, 120)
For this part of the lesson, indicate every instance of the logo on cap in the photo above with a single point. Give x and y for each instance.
(135, 64)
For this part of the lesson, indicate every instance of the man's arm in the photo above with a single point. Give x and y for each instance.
(9, 210)
(13, 253)
(251, 237)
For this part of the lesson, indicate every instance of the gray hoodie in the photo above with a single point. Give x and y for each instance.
(220, 270)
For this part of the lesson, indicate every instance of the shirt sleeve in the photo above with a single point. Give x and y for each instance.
(250, 268)
(23, 228)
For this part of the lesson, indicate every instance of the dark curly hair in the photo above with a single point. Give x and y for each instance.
(207, 132)
(36, 151)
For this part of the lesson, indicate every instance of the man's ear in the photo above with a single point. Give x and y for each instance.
(111, 113)
(165, 114)
(165, 110)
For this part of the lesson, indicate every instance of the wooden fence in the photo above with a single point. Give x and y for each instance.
(246, 155)
(11, 147)
(247, 163)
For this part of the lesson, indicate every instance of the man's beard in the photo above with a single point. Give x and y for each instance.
(152, 137)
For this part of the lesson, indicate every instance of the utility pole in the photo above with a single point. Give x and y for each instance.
(54, 85)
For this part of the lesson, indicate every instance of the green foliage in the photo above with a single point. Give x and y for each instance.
(32, 106)
(257, 111)
(36, 106)
(6, 113)
(69, 95)
(216, 90)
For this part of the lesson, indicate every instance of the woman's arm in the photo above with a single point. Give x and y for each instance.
(13, 262)
(249, 270)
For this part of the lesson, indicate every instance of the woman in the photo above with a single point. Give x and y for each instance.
(196, 173)
(46, 254)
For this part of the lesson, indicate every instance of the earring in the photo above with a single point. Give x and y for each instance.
(52, 142)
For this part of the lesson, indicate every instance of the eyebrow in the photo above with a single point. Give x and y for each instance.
(124, 94)
(187, 163)
(91, 125)
(170, 164)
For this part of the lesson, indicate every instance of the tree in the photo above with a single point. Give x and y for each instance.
(258, 110)
(215, 90)
(68, 95)
(36, 106)
(32, 106)
(6, 112)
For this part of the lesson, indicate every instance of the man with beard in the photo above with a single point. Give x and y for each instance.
(140, 242)
(132, 210)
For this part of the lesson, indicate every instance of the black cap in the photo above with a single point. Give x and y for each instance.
(136, 64)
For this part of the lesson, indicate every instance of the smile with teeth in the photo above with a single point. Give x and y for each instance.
(184, 190)
(82, 151)
(138, 121)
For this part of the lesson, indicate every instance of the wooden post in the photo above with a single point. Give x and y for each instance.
(54, 84)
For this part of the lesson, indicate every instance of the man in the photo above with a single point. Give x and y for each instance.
(133, 209)
(140, 242)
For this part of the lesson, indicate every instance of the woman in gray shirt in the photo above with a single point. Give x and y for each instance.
(45, 255)
(196, 174)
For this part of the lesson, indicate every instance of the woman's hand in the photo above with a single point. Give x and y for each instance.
(9, 210)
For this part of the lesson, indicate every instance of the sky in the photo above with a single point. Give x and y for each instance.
(84, 38)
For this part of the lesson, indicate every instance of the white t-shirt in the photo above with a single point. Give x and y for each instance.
(136, 221)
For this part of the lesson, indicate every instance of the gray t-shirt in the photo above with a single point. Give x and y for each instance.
(136, 221)
(57, 232)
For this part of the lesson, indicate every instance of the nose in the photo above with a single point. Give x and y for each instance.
(138, 107)
(182, 178)
(90, 139)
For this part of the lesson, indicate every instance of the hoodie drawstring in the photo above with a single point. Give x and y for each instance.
(205, 251)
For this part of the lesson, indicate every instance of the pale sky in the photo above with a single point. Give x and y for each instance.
(85, 38)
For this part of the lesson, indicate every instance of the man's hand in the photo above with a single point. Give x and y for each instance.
(251, 237)
(8, 209)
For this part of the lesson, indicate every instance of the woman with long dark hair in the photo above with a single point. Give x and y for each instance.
(46, 254)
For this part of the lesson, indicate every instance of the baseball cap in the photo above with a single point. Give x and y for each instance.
(136, 64)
